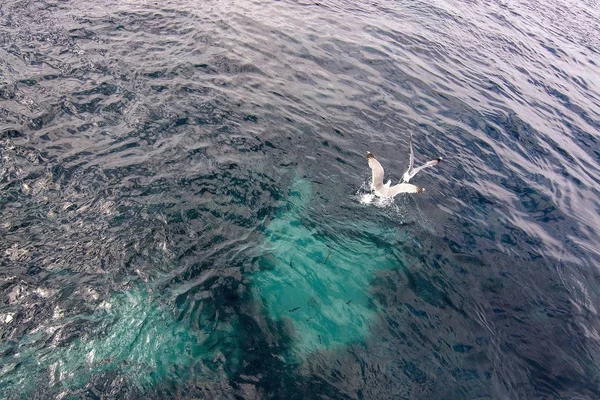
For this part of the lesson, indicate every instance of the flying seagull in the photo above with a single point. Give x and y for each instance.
(386, 190)
(411, 172)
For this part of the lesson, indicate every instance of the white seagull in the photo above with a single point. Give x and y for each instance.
(386, 190)
(411, 172)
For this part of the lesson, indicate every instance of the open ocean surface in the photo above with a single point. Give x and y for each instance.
(180, 187)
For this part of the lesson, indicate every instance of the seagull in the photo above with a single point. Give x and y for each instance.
(411, 172)
(386, 190)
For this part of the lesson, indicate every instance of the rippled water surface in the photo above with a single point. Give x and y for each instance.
(181, 186)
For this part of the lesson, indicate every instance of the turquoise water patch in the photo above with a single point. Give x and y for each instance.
(317, 283)
(133, 337)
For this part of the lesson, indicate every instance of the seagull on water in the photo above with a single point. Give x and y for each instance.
(386, 190)
(389, 191)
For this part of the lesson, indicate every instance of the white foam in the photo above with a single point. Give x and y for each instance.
(366, 197)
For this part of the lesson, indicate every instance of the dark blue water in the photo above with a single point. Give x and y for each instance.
(179, 214)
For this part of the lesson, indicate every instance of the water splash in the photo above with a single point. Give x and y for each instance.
(366, 197)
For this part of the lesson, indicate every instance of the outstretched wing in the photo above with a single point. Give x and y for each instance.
(411, 160)
(377, 172)
(404, 188)
(428, 164)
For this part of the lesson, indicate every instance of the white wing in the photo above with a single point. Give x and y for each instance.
(411, 160)
(404, 188)
(428, 164)
(377, 172)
